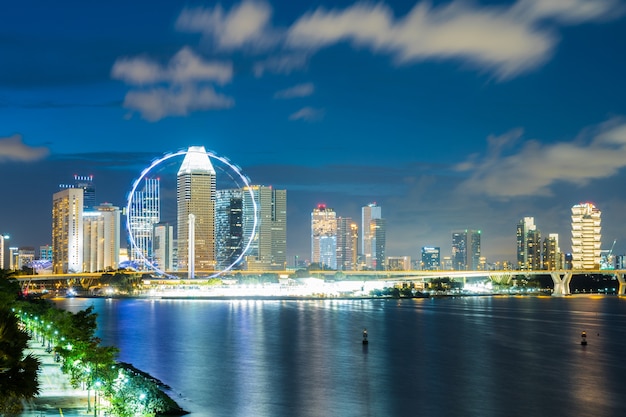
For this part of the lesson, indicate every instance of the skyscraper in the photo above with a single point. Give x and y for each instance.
(528, 245)
(145, 212)
(431, 258)
(466, 250)
(369, 212)
(586, 237)
(67, 231)
(552, 253)
(378, 238)
(354, 237)
(324, 236)
(268, 248)
(84, 182)
(345, 258)
(101, 238)
(229, 242)
(195, 197)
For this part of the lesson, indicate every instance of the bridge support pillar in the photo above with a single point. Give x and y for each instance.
(622, 284)
(561, 283)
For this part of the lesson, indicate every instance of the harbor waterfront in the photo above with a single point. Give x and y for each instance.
(452, 356)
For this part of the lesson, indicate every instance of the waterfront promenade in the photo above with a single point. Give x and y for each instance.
(57, 397)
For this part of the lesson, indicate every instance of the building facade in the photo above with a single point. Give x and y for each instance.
(268, 246)
(324, 237)
(378, 238)
(586, 236)
(195, 198)
(431, 258)
(552, 258)
(101, 238)
(345, 244)
(368, 213)
(229, 241)
(163, 246)
(67, 231)
(144, 213)
(466, 250)
(528, 245)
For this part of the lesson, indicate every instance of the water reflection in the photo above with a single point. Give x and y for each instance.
(475, 356)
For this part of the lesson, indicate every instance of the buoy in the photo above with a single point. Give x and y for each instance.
(365, 342)
(583, 338)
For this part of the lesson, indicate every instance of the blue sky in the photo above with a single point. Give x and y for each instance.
(449, 114)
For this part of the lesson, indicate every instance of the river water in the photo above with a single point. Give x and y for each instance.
(466, 356)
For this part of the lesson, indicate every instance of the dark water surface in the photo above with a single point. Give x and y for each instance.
(472, 356)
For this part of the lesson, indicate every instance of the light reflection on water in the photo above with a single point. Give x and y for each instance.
(472, 356)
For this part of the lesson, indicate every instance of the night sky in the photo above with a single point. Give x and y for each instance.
(448, 114)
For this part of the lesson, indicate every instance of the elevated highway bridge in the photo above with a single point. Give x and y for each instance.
(560, 278)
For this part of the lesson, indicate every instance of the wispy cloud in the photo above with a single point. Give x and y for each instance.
(12, 148)
(533, 168)
(188, 80)
(308, 114)
(300, 90)
(184, 67)
(158, 102)
(504, 40)
(282, 64)
(487, 37)
(245, 25)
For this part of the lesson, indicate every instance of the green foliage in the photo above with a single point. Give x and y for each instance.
(18, 373)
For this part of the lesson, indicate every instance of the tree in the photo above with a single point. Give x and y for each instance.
(18, 373)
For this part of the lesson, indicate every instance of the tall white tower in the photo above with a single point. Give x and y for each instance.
(195, 194)
(586, 237)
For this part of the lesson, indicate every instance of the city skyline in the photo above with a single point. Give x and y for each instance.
(450, 115)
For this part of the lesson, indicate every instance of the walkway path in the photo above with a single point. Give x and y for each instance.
(57, 397)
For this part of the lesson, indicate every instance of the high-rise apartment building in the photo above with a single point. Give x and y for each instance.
(144, 213)
(195, 197)
(369, 212)
(324, 236)
(431, 258)
(268, 247)
(101, 238)
(466, 250)
(378, 237)
(345, 244)
(67, 231)
(528, 245)
(552, 256)
(586, 236)
(229, 242)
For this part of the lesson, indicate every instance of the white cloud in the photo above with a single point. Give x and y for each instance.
(245, 24)
(308, 114)
(13, 149)
(598, 153)
(300, 90)
(184, 67)
(487, 37)
(567, 11)
(157, 103)
(506, 40)
(282, 64)
(176, 89)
